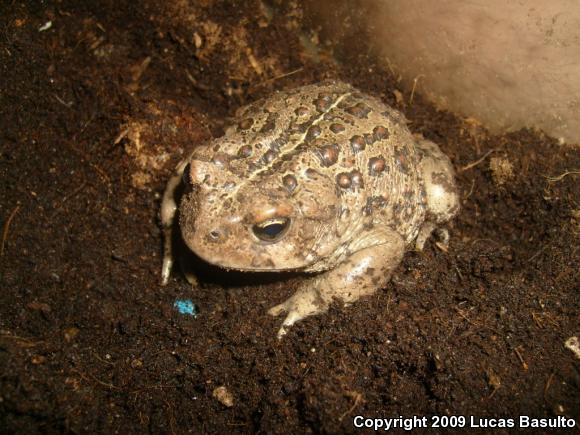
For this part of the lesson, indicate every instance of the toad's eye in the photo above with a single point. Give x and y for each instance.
(271, 230)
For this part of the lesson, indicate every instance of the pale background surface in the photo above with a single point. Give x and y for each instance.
(507, 63)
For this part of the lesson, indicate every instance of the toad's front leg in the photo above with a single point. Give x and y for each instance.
(167, 214)
(361, 274)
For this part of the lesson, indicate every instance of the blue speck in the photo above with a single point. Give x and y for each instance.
(185, 306)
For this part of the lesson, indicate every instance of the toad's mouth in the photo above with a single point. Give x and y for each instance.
(253, 263)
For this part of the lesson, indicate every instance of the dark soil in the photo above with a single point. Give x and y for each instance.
(89, 340)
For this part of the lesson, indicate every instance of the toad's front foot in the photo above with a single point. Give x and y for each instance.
(306, 302)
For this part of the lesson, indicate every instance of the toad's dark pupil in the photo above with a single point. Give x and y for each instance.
(270, 231)
(273, 230)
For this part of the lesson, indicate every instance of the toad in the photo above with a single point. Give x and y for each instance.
(322, 179)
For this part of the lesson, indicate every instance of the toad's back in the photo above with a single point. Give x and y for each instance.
(328, 130)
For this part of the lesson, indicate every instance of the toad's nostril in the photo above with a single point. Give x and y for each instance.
(215, 234)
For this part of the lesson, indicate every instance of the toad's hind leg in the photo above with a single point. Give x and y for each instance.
(441, 190)
(167, 214)
(359, 275)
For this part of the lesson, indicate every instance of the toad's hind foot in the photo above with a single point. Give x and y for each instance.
(424, 234)
(306, 302)
(428, 229)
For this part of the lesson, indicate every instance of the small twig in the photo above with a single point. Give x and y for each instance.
(96, 355)
(7, 227)
(476, 324)
(357, 400)
(536, 319)
(470, 190)
(24, 342)
(459, 273)
(477, 162)
(281, 76)
(549, 319)
(542, 249)
(561, 176)
(389, 300)
(491, 241)
(414, 86)
(152, 387)
(105, 178)
(72, 194)
(171, 416)
(390, 67)
(548, 384)
(262, 83)
(521, 358)
(85, 125)
(88, 377)
(61, 101)
(254, 62)
(103, 175)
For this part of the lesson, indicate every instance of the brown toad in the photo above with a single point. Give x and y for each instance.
(322, 178)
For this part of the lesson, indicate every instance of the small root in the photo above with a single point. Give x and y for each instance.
(477, 162)
(7, 228)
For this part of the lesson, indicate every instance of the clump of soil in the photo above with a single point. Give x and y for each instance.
(89, 340)
(501, 170)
